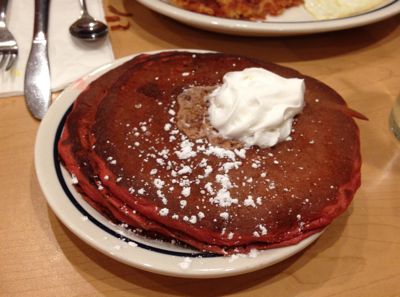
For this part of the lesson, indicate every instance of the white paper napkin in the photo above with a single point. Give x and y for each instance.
(69, 58)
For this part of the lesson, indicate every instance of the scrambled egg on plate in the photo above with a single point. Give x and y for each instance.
(333, 9)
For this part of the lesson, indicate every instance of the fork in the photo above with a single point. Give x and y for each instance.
(8, 44)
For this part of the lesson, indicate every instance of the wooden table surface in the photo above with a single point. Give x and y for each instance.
(359, 255)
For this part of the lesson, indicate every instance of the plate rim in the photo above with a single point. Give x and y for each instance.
(69, 215)
(276, 28)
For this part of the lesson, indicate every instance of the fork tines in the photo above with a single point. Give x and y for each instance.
(11, 57)
(8, 44)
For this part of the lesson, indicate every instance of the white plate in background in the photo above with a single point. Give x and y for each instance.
(294, 21)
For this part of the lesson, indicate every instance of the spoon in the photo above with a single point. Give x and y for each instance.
(86, 27)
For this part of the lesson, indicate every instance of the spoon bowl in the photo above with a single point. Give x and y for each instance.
(86, 27)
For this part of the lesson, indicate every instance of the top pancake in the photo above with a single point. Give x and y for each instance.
(268, 196)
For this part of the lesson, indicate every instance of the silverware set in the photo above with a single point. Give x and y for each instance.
(8, 44)
(37, 84)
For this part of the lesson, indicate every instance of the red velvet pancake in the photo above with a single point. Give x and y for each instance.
(137, 164)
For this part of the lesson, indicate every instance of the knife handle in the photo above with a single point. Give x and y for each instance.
(41, 17)
(37, 74)
(3, 11)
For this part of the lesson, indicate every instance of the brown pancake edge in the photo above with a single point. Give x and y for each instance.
(278, 196)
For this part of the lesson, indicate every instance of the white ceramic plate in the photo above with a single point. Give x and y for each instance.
(295, 21)
(115, 241)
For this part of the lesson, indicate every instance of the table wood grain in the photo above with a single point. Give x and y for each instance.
(358, 255)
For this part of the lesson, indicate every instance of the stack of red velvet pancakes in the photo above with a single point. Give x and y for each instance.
(138, 143)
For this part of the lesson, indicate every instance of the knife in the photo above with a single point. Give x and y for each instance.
(37, 73)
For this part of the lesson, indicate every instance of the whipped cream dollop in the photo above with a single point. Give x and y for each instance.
(256, 106)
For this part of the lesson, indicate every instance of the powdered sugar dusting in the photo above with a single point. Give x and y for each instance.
(196, 181)
(185, 264)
